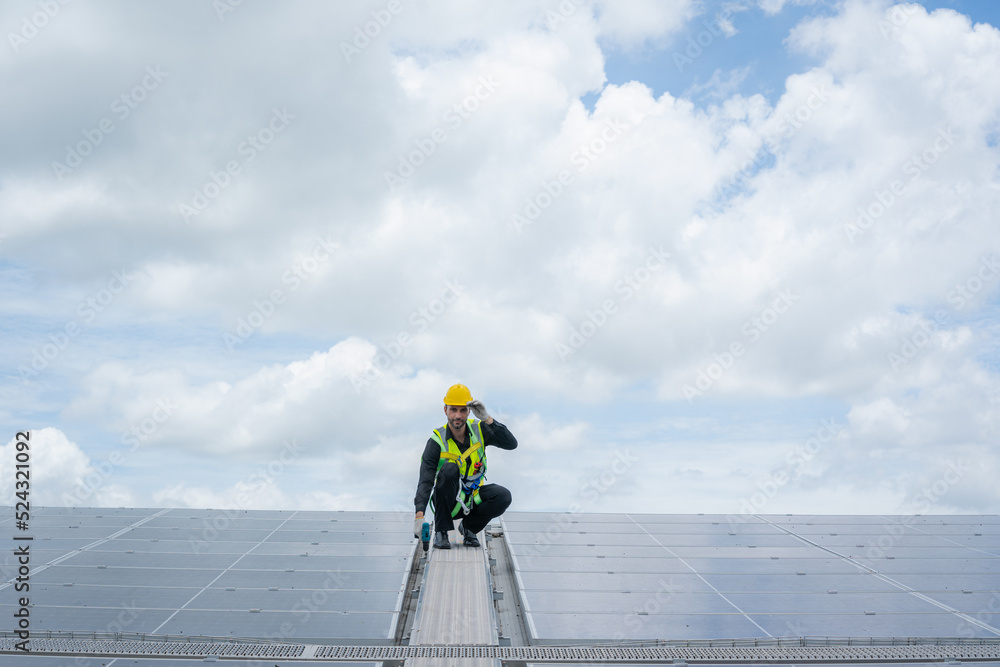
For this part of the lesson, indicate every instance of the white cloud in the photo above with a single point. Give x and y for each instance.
(635, 22)
(821, 234)
(772, 7)
(61, 473)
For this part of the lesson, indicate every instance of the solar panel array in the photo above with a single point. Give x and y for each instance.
(594, 577)
(307, 577)
(340, 577)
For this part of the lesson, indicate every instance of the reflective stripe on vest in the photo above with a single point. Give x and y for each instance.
(466, 461)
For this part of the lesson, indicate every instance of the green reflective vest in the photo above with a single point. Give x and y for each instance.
(471, 463)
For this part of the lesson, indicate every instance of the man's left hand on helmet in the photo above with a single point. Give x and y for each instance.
(479, 410)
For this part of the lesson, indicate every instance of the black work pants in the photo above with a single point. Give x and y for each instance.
(495, 499)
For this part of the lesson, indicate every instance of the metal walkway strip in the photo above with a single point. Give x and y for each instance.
(470, 655)
(455, 607)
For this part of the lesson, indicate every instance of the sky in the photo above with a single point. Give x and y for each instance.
(721, 256)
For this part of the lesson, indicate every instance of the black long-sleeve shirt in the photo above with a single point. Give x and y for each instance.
(495, 434)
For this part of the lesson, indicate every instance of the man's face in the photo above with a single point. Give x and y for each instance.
(457, 416)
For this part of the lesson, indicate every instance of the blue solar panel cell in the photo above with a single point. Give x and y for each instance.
(394, 535)
(670, 599)
(293, 626)
(215, 522)
(725, 539)
(554, 563)
(791, 582)
(310, 579)
(308, 561)
(605, 581)
(189, 560)
(807, 566)
(845, 602)
(522, 541)
(778, 576)
(129, 616)
(124, 576)
(983, 566)
(951, 582)
(616, 627)
(940, 624)
(196, 535)
(165, 546)
(165, 570)
(302, 601)
(114, 595)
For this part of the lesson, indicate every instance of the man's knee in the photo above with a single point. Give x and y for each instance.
(506, 497)
(501, 498)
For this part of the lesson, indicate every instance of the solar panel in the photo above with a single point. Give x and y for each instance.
(311, 576)
(340, 577)
(597, 577)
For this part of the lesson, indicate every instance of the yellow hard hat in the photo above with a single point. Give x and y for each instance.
(458, 394)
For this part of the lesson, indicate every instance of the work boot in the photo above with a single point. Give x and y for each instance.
(441, 541)
(470, 537)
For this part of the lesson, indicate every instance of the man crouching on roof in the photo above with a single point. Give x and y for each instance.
(453, 465)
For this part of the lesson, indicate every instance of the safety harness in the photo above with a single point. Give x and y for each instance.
(471, 465)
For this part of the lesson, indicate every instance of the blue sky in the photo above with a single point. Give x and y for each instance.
(773, 308)
(756, 45)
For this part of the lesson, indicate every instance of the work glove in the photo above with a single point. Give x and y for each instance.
(418, 525)
(478, 409)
